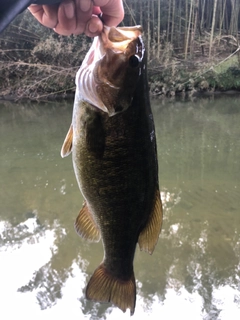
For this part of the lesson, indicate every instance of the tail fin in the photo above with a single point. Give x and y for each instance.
(103, 287)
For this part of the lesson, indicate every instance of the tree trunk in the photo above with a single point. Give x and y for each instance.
(195, 22)
(179, 33)
(213, 27)
(232, 17)
(202, 14)
(186, 24)
(221, 20)
(153, 28)
(169, 17)
(173, 18)
(159, 29)
(148, 29)
(188, 29)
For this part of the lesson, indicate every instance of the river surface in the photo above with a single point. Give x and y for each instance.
(194, 272)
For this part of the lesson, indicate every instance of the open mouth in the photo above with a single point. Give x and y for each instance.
(115, 39)
(118, 39)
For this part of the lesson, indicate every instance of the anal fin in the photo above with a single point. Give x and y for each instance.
(149, 235)
(67, 144)
(104, 287)
(86, 226)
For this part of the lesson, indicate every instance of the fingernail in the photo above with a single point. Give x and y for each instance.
(69, 10)
(85, 5)
(92, 27)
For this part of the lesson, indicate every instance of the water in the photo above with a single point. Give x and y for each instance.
(194, 272)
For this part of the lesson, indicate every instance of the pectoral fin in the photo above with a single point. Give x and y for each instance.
(85, 225)
(67, 144)
(149, 236)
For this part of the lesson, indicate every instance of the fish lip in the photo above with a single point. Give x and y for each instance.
(105, 43)
(119, 43)
(129, 34)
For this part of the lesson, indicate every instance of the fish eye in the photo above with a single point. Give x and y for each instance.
(134, 61)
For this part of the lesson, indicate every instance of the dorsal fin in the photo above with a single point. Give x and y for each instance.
(86, 226)
(149, 236)
(67, 144)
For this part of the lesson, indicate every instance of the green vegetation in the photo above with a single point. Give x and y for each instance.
(192, 45)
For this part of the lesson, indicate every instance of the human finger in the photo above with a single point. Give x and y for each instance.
(84, 9)
(93, 27)
(113, 11)
(67, 19)
(45, 14)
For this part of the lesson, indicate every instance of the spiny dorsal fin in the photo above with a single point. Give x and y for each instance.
(149, 236)
(104, 287)
(67, 144)
(85, 225)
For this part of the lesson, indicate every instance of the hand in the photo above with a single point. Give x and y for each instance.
(79, 16)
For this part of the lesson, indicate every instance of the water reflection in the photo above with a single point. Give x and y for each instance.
(194, 271)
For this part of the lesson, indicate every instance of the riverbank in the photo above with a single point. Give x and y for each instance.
(197, 76)
(160, 85)
(35, 77)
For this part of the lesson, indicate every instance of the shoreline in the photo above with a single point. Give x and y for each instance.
(70, 96)
(48, 86)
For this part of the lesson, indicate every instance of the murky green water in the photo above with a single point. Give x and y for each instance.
(194, 272)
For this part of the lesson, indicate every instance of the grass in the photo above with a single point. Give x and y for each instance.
(224, 66)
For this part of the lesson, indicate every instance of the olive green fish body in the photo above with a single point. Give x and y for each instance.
(118, 177)
(115, 162)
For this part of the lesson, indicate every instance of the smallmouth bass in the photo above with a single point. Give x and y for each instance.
(113, 145)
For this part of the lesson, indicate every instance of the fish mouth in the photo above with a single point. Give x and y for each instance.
(118, 39)
(110, 46)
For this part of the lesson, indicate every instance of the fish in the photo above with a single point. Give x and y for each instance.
(113, 145)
